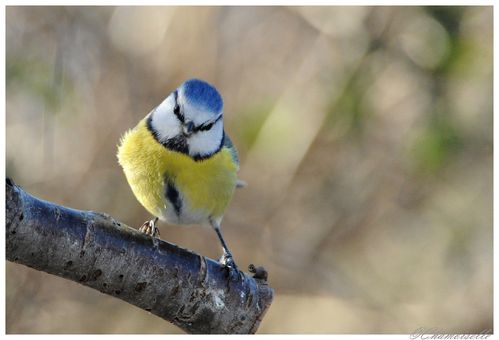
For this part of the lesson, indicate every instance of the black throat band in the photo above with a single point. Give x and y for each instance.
(179, 143)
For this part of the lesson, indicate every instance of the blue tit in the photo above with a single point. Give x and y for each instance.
(180, 163)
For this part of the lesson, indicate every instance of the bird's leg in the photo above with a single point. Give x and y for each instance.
(227, 260)
(149, 228)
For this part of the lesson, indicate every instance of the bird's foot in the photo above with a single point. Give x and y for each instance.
(149, 228)
(233, 271)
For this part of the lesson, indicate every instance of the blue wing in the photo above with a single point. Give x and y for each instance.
(228, 144)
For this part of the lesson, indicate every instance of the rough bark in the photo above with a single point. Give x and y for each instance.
(189, 290)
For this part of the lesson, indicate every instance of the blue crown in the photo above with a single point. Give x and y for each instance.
(200, 93)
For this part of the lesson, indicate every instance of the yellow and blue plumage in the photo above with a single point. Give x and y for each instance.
(179, 162)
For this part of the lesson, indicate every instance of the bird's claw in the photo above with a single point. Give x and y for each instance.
(227, 260)
(233, 271)
(149, 228)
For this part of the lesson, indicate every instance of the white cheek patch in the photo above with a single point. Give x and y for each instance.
(164, 121)
(207, 142)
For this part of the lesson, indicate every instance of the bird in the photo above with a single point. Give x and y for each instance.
(180, 163)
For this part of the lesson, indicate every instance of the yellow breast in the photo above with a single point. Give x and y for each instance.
(206, 186)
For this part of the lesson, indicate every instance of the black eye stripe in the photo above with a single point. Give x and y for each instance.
(176, 108)
(206, 126)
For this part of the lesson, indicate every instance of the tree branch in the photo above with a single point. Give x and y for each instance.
(189, 290)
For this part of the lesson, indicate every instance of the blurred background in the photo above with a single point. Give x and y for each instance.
(365, 135)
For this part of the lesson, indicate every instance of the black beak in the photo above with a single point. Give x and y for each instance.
(188, 128)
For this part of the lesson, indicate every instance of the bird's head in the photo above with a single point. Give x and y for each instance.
(190, 120)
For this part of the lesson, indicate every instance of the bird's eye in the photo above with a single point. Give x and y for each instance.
(176, 111)
(176, 108)
(205, 127)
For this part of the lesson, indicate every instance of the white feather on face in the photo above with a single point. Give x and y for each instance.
(164, 122)
(194, 107)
